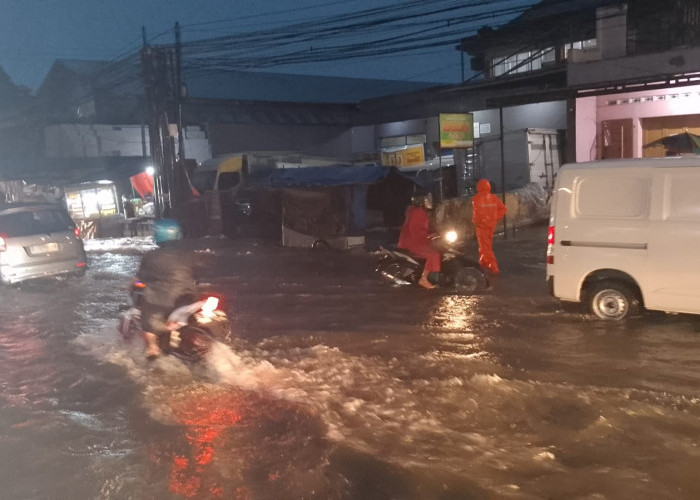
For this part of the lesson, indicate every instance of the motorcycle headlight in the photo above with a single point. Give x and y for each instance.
(451, 236)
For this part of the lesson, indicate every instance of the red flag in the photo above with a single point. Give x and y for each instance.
(143, 184)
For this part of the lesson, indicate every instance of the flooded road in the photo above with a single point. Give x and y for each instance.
(340, 387)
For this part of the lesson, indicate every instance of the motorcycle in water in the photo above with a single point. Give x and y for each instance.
(458, 272)
(194, 327)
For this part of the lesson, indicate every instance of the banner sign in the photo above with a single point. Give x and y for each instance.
(456, 130)
(407, 156)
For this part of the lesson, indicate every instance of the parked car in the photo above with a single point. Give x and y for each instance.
(625, 234)
(38, 240)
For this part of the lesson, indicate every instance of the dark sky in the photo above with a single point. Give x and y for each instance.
(33, 33)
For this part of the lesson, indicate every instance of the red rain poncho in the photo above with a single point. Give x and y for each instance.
(415, 237)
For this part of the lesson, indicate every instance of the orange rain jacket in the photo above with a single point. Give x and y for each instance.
(487, 210)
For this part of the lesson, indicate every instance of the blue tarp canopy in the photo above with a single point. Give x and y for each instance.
(333, 175)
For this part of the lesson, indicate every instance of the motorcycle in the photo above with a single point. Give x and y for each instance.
(194, 326)
(458, 272)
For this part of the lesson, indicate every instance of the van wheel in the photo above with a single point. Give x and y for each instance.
(613, 300)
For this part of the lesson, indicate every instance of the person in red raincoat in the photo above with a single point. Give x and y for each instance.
(415, 237)
(487, 210)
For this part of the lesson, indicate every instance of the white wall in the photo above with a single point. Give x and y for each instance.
(86, 140)
(596, 73)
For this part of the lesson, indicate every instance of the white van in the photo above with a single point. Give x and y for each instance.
(625, 234)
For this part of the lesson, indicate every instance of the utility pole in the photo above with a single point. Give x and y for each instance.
(503, 170)
(154, 69)
(179, 94)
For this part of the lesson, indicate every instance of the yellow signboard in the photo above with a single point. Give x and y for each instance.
(456, 130)
(407, 156)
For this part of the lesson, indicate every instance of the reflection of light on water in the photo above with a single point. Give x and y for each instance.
(204, 418)
(455, 323)
(454, 312)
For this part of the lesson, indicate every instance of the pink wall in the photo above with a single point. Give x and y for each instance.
(586, 128)
(632, 105)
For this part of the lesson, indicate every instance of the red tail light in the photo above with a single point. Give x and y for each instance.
(3, 245)
(76, 231)
(550, 245)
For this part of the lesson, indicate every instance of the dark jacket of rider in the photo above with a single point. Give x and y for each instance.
(169, 275)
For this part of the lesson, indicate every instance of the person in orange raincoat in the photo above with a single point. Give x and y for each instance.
(487, 210)
(415, 237)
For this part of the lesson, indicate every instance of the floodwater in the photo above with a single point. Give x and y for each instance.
(340, 387)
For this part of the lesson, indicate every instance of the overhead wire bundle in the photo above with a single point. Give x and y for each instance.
(413, 27)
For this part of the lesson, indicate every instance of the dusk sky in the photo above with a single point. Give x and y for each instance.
(34, 33)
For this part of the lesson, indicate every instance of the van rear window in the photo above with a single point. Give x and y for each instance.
(608, 196)
(30, 222)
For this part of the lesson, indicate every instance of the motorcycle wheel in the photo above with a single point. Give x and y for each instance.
(195, 342)
(469, 280)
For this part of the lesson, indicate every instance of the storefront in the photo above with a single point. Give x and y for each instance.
(94, 208)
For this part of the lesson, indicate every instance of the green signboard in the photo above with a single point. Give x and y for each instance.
(456, 130)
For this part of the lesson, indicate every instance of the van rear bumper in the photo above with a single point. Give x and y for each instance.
(550, 285)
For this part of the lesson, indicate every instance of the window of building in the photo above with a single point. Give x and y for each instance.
(522, 62)
(581, 45)
(532, 60)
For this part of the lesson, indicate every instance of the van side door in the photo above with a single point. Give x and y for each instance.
(674, 241)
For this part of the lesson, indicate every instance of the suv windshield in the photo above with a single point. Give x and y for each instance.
(39, 221)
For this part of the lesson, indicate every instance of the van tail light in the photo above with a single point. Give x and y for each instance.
(3, 244)
(76, 231)
(550, 245)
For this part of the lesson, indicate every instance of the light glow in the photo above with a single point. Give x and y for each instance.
(210, 306)
(451, 236)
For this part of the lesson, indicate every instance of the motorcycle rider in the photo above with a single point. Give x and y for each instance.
(168, 273)
(415, 236)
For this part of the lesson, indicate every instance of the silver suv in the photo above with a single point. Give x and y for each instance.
(38, 241)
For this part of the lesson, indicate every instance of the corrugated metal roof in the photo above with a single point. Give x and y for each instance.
(232, 85)
(283, 87)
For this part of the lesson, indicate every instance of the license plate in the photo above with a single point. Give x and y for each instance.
(45, 248)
